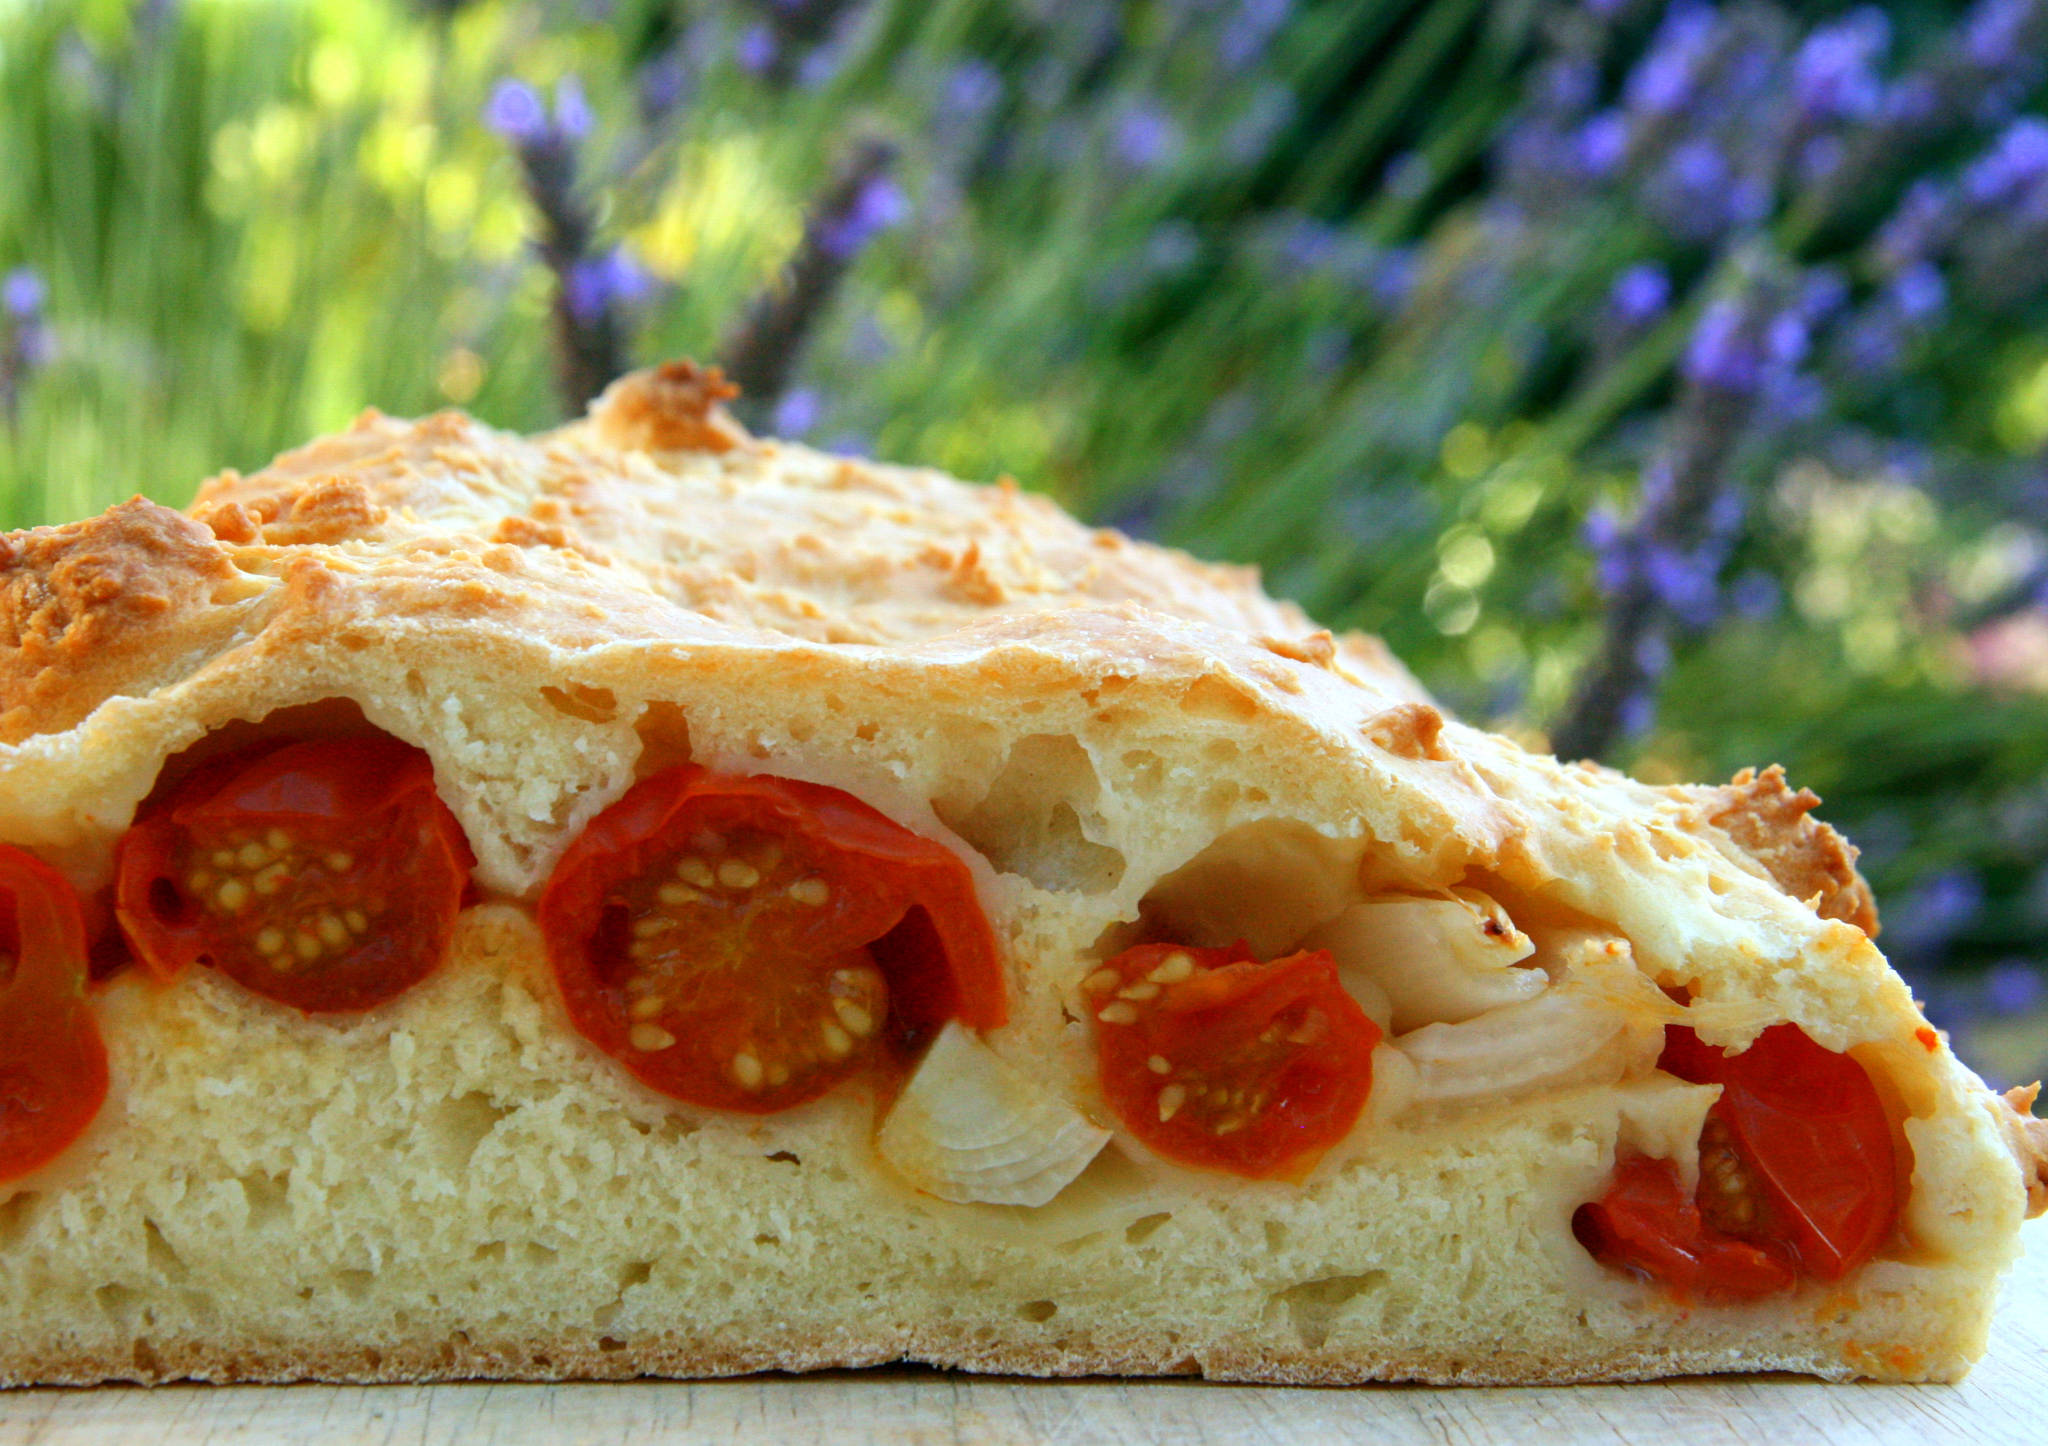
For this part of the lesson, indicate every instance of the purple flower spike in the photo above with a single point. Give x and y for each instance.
(2014, 987)
(1640, 293)
(877, 207)
(515, 112)
(971, 91)
(1146, 137)
(756, 50)
(1602, 144)
(798, 412)
(1919, 292)
(1834, 75)
(1720, 355)
(1638, 713)
(1991, 35)
(597, 284)
(2016, 162)
(1246, 33)
(572, 110)
(22, 294)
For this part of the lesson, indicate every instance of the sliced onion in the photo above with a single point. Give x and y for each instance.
(969, 1127)
(1601, 1023)
(1438, 959)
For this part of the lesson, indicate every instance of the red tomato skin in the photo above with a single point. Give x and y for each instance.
(1647, 1224)
(1816, 1148)
(53, 1063)
(321, 784)
(1314, 1097)
(1813, 1131)
(954, 973)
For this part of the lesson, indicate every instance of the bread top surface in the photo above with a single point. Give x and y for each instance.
(546, 616)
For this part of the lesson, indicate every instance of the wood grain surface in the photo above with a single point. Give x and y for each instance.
(2005, 1400)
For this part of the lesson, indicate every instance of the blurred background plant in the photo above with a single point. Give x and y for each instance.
(1665, 380)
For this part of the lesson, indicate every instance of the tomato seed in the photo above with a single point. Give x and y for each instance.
(1139, 992)
(1118, 1013)
(813, 892)
(693, 870)
(1170, 1100)
(1102, 979)
(737, 875)
(838, 1043)
(1158, 1065)
(858, 1021)
(1173, 969)
(747, 1070)
(649, 1038)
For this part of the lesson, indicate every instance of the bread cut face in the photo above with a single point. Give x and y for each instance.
(1122, 744)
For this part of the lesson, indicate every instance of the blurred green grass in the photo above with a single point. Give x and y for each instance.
(1263, 300)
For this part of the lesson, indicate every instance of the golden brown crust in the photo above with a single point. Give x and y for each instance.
(2029, 1144)
(674, 408)
(1810, 861)
(82, 606)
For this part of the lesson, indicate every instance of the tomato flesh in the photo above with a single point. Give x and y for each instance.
(1217, 1060)
(325, 874)
(1797, 1167)
(53, 1065)
(748, 943)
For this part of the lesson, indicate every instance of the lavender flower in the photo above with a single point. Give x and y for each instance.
(597, 285)
(591, 291)
(516, 112)
(2014, 166)
(970, 92)
(572, 111)
(879, 205)
(25, 341)
(1145, 138)
(22, 294)
(1248, 30)
(798, 412)
(1834, 73)
(756, 50)
(861, 201)
(1640, 294)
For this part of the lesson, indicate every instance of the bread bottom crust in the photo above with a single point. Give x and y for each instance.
(684, 1355)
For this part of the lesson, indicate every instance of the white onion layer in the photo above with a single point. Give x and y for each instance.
(1602, 1022)
(969, 1128)
(1436, 959)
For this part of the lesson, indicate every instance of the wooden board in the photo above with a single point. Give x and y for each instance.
(2005, 1400)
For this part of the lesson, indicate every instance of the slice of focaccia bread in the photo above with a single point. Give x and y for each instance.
(647, 900)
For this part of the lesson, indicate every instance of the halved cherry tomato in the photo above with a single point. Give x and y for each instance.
(323, 874)
(747, 942)
(53, 1067)
(1797, 1166)
(1646, 1223)
(1217, 1060)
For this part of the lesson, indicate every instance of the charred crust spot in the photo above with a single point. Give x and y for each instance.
(1409, 730)
(80, 601)
(1318, 649)
(675, 408)
(2030, 1144)
(1806, 858)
